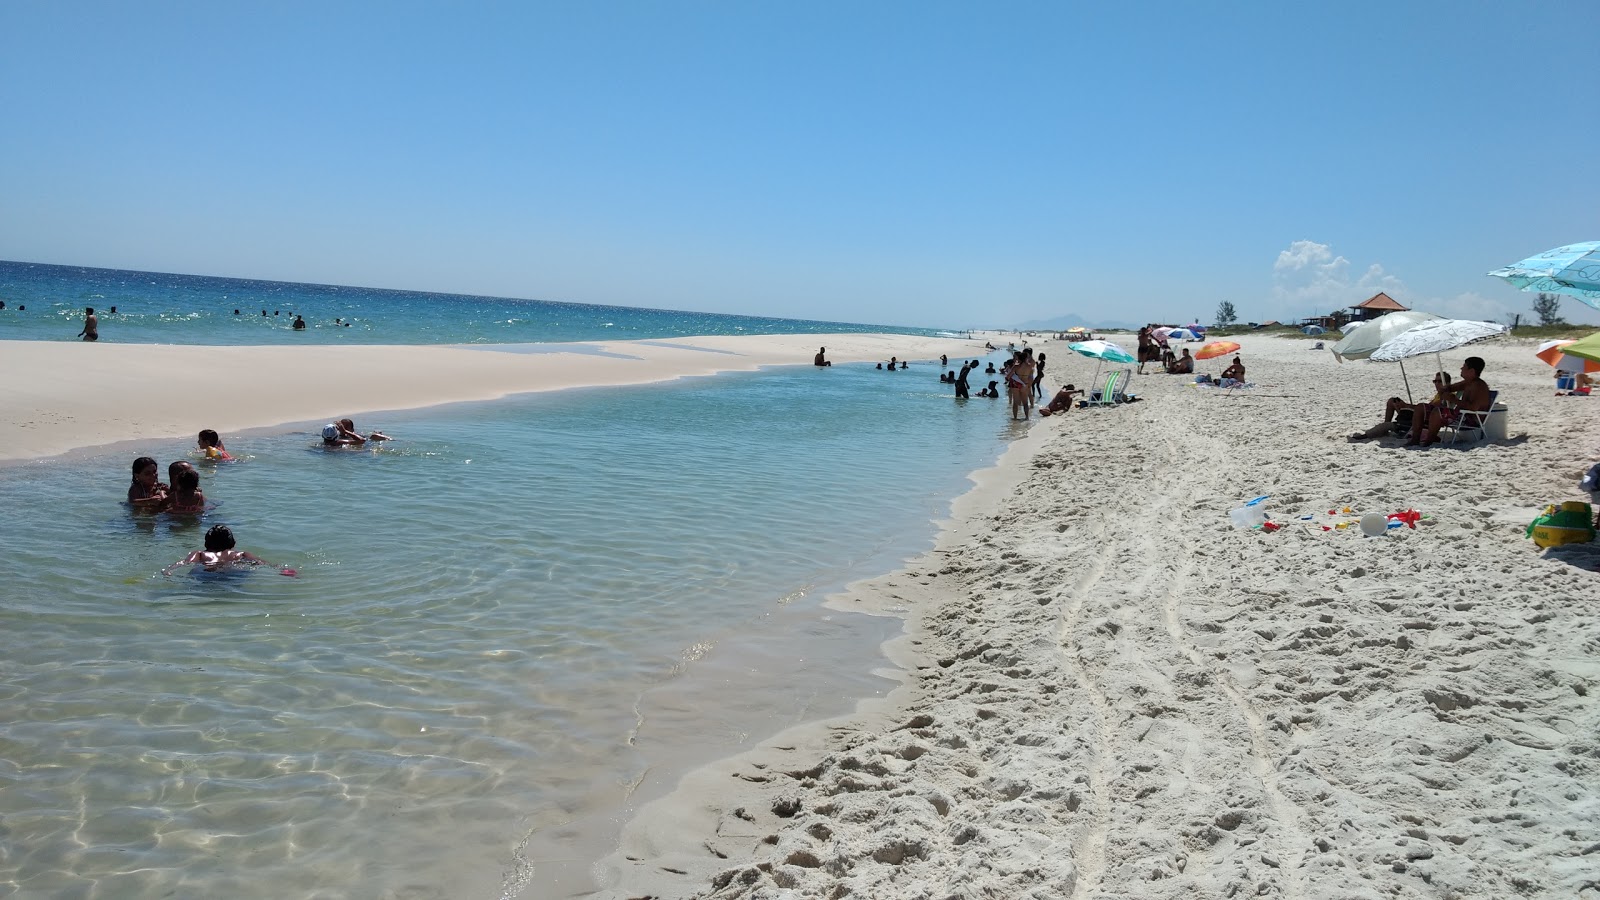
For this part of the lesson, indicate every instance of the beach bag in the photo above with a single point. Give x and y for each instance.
(1570, 523)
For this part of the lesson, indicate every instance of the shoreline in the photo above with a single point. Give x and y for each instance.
(102, 394)
(1108, 690)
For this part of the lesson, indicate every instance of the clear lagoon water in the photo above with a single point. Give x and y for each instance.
(159, 308)
(504, 624)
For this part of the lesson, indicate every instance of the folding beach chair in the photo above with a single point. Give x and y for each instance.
(1472, 422)
(1111, 392)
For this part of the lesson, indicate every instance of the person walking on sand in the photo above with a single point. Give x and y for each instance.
(91, 325)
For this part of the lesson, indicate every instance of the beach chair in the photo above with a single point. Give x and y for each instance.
(1472, 422)
(1112, 391)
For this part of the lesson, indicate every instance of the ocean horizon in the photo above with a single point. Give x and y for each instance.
(168, 308)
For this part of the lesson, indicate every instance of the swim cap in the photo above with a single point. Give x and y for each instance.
(330, 432)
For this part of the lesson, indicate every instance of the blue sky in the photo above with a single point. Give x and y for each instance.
(927, 163)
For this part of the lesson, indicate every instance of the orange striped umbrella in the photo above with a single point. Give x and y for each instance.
(1554, 354)
(1216, 349)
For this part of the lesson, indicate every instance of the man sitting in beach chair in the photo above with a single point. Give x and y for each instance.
(1464, 404)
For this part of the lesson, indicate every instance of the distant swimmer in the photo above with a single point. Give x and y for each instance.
(299, 323)
(343, 433)
(894, 363)
(220, 554)
(91, 325)
(821, 359)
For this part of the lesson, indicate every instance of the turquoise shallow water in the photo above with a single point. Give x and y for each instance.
(161, 308)
(502, 622)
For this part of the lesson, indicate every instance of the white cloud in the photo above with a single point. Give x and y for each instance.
(1309, 279)
(1305, 253)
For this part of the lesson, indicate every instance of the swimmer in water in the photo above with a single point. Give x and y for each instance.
(211, 445)
(348, 428)
(218, 554)
(147, 491)
(186, 498)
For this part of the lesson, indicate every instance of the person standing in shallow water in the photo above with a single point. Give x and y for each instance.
(962, 387)
(91, 325)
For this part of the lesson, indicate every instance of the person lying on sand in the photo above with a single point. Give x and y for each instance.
(1469, 394)
(1397, 410)
(1061, 402)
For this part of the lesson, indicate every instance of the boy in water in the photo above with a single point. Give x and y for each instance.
(186, 498)
(218, 554)
(211, 445)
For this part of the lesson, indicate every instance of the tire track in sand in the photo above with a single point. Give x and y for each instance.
(1290, 835)
(1090, 854)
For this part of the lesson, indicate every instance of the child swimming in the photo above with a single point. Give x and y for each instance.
(186, 498)
(211, 445)
(219, 554)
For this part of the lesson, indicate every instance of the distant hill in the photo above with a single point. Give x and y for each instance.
(1062, 323)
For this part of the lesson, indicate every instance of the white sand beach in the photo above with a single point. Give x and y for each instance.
(1108, 690)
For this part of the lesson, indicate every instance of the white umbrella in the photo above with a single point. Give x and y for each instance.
(1360, 342)
(1436, 337)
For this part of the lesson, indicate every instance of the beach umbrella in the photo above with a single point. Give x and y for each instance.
(1216, 349)
(1585, 348)
(1573, 270)
(1103, 351)
(1554, 354)
(1163, 332)
(1358, 343)
(1077, 329)
(1436, 337)
(1182, 334)
(1313, 329)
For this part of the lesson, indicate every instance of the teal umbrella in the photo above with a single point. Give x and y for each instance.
(1103, 351)
(1573, 270)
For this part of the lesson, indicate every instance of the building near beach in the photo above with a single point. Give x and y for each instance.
(1379, 304)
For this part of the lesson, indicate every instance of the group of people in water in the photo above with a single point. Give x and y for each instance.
(180, 494)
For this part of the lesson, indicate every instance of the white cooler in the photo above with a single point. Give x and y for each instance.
(1498, 426)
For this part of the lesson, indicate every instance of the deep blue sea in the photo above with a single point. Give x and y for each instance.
(156, 308)
(506, 626)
